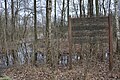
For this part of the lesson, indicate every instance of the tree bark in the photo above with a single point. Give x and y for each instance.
(83, 8)
(90, 8)
(104, 7)
(35, 21)
(75, 8)
(5, 32)
(56, 49)
(35, 35)
(80, 5)
(63, 10)
(13, 30)
(48, 32)
(55, 12)
(12, 20)
(97, 8)
(117, 24)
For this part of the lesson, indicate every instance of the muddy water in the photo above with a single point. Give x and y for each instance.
(25, 53)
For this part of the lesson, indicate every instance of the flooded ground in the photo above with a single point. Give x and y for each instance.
(26, 53)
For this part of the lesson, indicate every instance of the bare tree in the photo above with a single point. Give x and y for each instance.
(97, 7)
(35, 21)
(104, 7)
(83, 6)
(62, 13)
(75, 9)
(5, 32)
(48, 31)
(90, 8)
(13, 30)
(12, 20)
(80, 5)
(35, 34)
(117, 22)
(56, 48)
(55, 10)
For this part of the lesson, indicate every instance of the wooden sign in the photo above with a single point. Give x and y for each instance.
(89, 30)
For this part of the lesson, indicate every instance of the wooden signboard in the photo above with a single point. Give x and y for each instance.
(91, 30)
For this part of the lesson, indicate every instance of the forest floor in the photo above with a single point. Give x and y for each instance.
(94, 71)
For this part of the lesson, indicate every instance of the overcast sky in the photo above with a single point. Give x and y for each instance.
(59, 5)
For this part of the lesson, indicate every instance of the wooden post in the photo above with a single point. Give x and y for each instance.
(70, 42)
(110, 43)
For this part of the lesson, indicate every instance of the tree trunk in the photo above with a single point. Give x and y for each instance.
(74, 5)
(56, 49)
(83, 9)
(55, 12)
(35, 35)
(35, 21)
(13, 30)
(97, 8)
(48, 32)
(80, 5)
(5, 31)
(63, 10)
(117, 23)
(90, 8)
(104, 7)
(12, 20)
(109, 7)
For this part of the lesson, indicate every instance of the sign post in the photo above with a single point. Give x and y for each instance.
(110, 43)
(70, 42)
